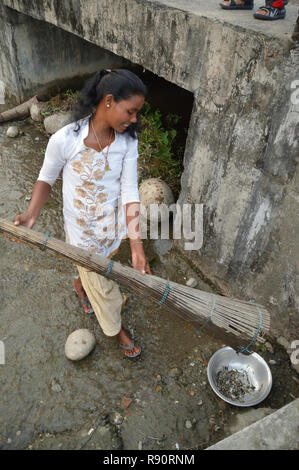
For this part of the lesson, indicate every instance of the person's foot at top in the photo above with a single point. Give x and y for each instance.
(237, 4)
(273, 10)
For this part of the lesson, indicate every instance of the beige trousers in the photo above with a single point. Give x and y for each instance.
(105, 298)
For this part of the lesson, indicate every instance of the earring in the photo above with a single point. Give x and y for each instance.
(108, 105)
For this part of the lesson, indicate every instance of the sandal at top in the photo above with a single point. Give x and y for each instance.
(272, 14)
(247, 5)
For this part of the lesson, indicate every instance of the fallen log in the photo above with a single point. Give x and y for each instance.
(22, 110)
(237, 320)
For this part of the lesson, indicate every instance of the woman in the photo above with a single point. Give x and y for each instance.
(98, 154)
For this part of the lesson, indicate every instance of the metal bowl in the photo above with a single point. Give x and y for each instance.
(256, 369)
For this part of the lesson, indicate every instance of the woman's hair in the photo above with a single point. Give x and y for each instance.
(120, 83)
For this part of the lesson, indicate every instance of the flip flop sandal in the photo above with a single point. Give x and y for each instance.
(85, 303)
(273, 14)
(131, 347)
(247, 5)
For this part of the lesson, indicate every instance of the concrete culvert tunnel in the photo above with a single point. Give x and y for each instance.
(232, 81)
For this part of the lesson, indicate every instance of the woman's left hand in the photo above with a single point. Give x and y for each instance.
(139, 259)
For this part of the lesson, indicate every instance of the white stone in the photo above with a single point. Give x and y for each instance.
(188, 424)
(79, 344)
(117, 418)
(12, 131)
(156, 191)
(191, 282)
(57, 121)
(35, 112)
(283, 342)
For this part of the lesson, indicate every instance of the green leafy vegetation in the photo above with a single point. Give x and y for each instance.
(160, 148)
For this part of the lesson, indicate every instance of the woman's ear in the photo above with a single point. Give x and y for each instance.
(109, 100)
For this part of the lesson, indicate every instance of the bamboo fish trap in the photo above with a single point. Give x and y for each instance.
(238, 320)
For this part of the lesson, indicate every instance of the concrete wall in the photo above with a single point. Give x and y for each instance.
(37, 57)
(240, 159)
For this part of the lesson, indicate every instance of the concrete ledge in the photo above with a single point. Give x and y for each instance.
(278, 431)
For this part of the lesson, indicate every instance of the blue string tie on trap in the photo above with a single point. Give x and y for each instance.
(45, 242)
(166, 292)
(109, 268)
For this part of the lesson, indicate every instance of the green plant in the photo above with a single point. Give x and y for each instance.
(160, 154)
(263, 348)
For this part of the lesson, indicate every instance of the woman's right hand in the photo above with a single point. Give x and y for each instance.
(25, 219)
(40, 193)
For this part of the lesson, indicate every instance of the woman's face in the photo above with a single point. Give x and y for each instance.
(123, 113)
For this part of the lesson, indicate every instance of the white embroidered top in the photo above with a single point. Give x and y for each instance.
(93, 198)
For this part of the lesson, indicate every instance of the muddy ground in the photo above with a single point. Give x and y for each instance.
(162, 400)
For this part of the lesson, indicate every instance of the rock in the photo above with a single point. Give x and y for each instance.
(35, 112)
(175, 372)
(272, 362)
(126, 402)
(191, 282)
(12, 131)
(55, 122)
(283, 342)
(79, 344)
(188, 424)
(269, 347)
(155, 191)
(116, 418)
(55, 387)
